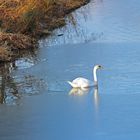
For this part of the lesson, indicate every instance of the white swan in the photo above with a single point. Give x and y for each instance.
(81, 82)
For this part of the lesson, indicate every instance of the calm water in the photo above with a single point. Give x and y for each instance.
(102, 21)
(36, 101)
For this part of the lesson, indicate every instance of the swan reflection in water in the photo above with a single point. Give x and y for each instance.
(85, 91)
(79, 91)
(96, 99)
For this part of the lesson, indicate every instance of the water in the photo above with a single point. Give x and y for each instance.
(102, 21)
(36, 101)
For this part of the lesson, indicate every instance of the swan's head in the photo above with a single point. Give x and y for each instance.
(96, 67)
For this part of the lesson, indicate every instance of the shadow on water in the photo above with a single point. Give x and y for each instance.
(13, 87)
(7, 82)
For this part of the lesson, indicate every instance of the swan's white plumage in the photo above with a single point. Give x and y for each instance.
(81, 82)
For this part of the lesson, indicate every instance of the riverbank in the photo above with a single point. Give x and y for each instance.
(23, 22)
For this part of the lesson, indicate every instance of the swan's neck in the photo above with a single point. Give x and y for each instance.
(95, 75)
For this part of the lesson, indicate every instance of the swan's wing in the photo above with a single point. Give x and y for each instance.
(82, 82)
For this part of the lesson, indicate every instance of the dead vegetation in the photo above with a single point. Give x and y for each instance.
(16, 41)
(23, 20)
(10, 43)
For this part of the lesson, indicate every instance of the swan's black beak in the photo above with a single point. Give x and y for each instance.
(101, 67)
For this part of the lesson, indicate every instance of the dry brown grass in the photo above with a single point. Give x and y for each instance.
(16, 41)
(19, 18)
(25, 16)
(10, 44)
(5, 54)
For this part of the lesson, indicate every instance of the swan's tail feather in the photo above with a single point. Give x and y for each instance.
(70, 83)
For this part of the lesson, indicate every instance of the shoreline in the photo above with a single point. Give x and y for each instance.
(22, 24)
